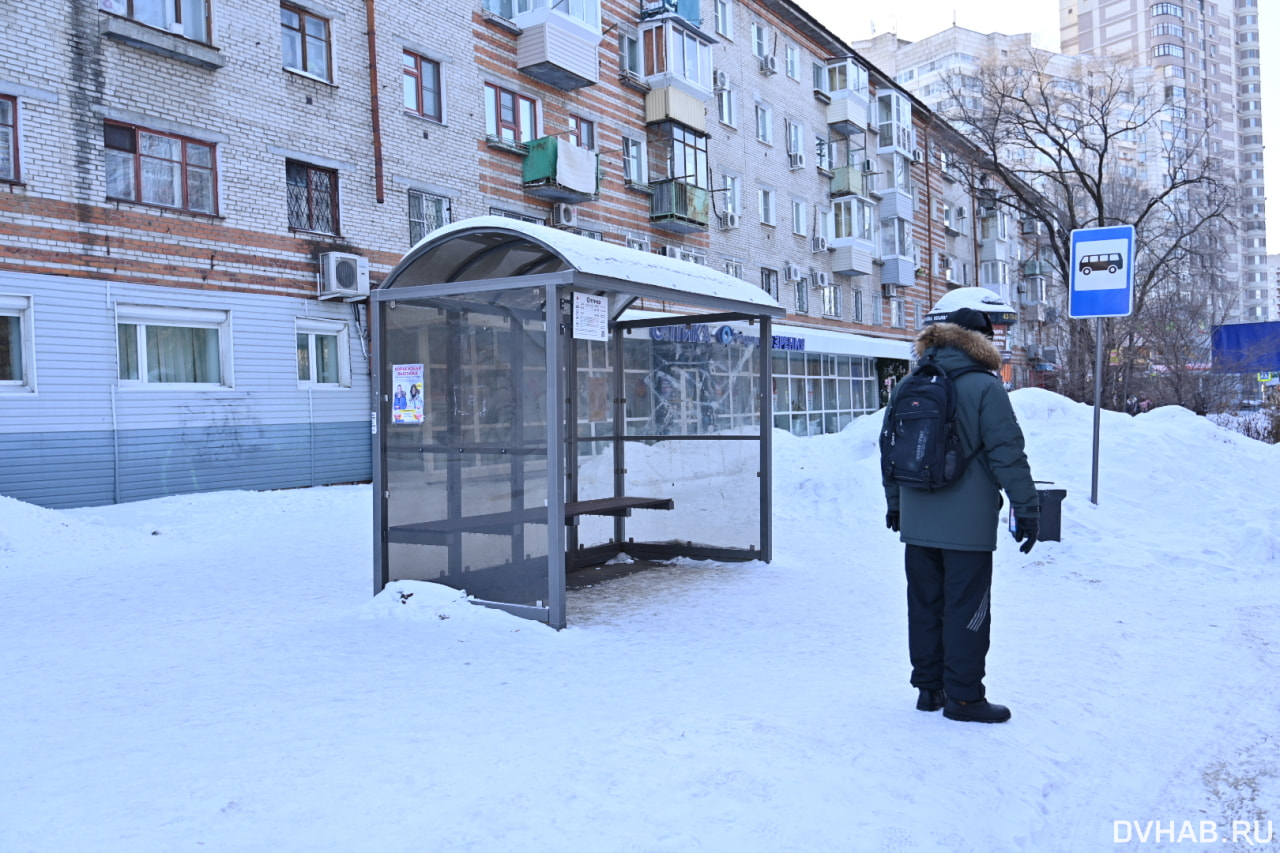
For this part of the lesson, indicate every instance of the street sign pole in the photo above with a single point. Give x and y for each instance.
(1097, 406)
(1101, 285)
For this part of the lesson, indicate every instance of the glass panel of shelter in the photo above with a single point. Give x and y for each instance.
(466, 476)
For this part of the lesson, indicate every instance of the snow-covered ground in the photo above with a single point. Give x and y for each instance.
(210, 672)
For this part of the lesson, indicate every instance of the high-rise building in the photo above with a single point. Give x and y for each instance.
(1208, 54)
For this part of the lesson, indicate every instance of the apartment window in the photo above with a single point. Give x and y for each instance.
(159, 168)
(898, 313)
(422, 94)
(994, 272)
(8, 138)
(802, 294)
(732, 194)
(822, 153)
(188, 18)
(582, 132)
(1166, 9)
(759, 41)
(629, 53)
(769, 281)
(16, 345)
(764, 124)
(323, 353)
(896, 240)
(313, 198)
(793, 62)
(798, 225)
(831, 306)
(765, 200)
(670, 48)
(733, 268)
(856, 299)
(1168, 30)
(634, 164)
(516, 215)
(724, 18)
(173, 346)
(427, 212)
(305, 41)
(1168, 50)
(726, 107)
(509, 116)
(795, 138)
(689, 157)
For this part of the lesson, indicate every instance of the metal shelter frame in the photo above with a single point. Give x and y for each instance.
(478, 468)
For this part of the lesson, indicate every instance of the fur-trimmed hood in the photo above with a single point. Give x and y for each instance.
(973, 344)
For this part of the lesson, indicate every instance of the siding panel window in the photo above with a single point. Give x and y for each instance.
(169, 346)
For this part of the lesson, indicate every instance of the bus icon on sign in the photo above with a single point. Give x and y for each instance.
(1112, 262)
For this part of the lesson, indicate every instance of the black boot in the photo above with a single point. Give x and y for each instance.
(980, 711)
(931, 699)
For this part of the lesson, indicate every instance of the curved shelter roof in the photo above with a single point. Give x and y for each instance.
(488, 248)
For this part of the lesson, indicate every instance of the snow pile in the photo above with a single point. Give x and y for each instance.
(212, 672)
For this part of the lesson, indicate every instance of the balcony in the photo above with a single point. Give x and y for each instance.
(559, 52)
(1034, 267)
(847, 112)
(679, 207)
(853, 259)
(898, 270)
(849, 180)
(560, 171)
(667, 103)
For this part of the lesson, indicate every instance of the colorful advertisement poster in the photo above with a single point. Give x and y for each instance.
(406, 399)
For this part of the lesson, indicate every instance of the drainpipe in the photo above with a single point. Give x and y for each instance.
(373, 102)
(928, 192)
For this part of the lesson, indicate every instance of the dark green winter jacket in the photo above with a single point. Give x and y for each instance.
(965, 515)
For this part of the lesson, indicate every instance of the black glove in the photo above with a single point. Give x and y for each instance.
(1027, 527)
(892, 520)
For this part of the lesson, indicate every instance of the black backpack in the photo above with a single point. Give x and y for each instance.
(920, 444)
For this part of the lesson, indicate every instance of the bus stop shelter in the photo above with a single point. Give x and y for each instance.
(525, 428)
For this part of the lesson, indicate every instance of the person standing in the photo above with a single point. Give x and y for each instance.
(950, 534)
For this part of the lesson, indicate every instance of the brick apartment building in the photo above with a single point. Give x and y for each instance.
(195, 194)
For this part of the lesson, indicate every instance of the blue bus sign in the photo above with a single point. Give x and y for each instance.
(1101, 272)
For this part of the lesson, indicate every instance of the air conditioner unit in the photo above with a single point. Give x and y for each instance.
(889, 290)
(563, 215)
(343, 276)
(1049, 355)
(1033, 352)
(796, 160)
(791, 272)
(768, 65)
(730, 220)
(821, 279)
(721, 80)
(917, 155)
(1030, 226)
(869, 165)
(819, 244)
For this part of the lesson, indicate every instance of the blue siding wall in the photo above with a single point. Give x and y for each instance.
(81, 438)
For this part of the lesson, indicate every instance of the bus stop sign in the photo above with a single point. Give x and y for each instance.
(1101, 272)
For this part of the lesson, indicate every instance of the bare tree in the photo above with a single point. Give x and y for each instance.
(1083, 142)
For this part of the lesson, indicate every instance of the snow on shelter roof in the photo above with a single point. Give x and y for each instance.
(491, 247)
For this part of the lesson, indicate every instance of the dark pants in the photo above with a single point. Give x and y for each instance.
(949, 619)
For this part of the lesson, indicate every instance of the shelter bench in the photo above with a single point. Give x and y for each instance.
(441, 532)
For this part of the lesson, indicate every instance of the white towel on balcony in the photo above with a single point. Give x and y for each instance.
(575, 167)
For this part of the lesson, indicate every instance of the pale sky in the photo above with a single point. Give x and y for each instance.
(921, 18)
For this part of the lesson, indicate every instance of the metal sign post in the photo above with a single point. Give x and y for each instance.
(1101, 285)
